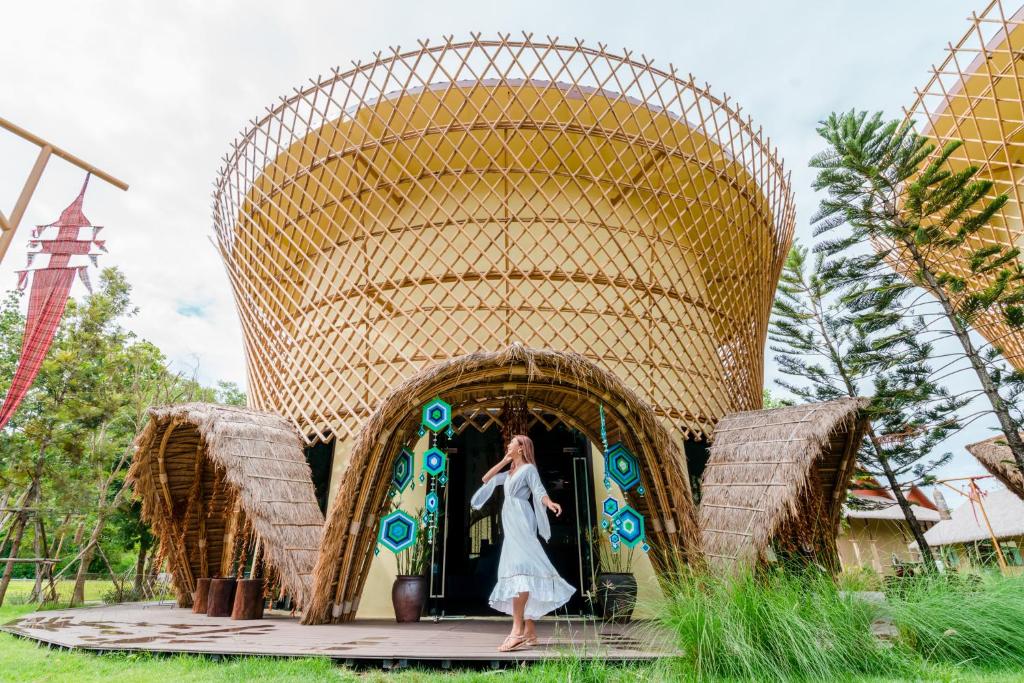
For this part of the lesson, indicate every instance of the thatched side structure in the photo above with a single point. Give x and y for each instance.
(779, 476)
(564, 384)
(219, 485)
(996, 457)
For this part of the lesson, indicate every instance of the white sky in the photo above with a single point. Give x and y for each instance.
(155, 92)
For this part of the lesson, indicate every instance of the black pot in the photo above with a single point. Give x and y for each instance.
(408, 596)
(616, 595)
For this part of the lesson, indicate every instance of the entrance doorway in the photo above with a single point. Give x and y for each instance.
(464, 561)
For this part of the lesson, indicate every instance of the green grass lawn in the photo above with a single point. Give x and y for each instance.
(23, 660)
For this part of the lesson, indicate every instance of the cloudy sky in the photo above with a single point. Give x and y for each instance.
(155, 92)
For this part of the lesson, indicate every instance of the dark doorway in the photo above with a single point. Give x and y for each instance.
(320, 457)
(464, 564)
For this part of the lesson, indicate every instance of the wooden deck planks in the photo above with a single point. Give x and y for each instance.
(166, 628)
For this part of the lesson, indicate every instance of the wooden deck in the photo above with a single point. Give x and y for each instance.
(168, 629)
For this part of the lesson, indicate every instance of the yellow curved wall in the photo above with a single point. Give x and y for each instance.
(441, 221)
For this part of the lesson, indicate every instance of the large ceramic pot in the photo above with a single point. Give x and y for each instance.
(409, 595)
(616, 594)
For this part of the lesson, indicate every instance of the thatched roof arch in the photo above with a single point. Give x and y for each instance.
(567, 384)
(779, 475)
(207, 475)
(996, 457)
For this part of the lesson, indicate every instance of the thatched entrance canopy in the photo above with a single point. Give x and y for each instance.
(778, 475)
(565, 384)
(996, 457)
(213, 477)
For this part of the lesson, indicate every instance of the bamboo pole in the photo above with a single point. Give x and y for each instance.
(63, 154)
(9, 224)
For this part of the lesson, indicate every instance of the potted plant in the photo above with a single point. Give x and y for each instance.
(615, 584)
(409, 591)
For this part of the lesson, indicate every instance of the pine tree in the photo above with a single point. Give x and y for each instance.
(899, 208)
(817, 340)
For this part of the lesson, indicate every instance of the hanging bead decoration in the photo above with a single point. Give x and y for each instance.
(436, 416)
(625, 524)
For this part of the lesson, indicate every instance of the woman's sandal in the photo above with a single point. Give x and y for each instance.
(532, 641)
(513, 643)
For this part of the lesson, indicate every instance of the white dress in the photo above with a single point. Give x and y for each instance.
(524, 566)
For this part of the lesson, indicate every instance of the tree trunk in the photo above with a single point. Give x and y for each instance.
(1002, 413)
(12, 551)
(140, 568)
(42, 550)
(78, 595)
(153, 567)
(908, 512)
(22, 521)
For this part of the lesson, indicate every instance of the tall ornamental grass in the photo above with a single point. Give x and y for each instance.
(793, 626)
(774, 626)
(977, 622)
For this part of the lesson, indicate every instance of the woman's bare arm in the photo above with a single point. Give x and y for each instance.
(491, 473)
(552, 505)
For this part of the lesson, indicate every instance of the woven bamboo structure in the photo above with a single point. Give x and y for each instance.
(564, 384)
(975, 95)
(217, 483)
(995, 456)
(463, 196)
(779, 477)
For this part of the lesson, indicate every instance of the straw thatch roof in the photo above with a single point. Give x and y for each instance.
(779, 476)
(565, 384)
(996, 457)
(1005, 512)
(213, 479)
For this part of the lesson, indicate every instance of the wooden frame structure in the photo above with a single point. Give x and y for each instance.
(977, 95)
(466, 195)
(564, 384)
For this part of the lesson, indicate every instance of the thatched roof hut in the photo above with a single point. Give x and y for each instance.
(219, 484)
(779, 476)
(996, 457)
(566, 384)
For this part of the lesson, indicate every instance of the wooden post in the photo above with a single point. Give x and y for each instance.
(975, 491)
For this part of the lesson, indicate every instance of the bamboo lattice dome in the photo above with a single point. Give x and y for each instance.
(975, 95)
(464, 196)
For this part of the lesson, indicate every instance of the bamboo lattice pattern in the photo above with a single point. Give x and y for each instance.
(975, 95)
(463, 196)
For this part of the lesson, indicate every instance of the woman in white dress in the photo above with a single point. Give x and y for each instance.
(528, 584)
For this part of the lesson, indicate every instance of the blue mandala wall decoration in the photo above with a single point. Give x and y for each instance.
(431, 502)
(629, 524)
(610, 506)
(397, 531)
(437, 414)
(622, 466)
(401, 474)
(434, 461)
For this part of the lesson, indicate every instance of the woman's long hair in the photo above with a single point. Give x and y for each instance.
(525, 443)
